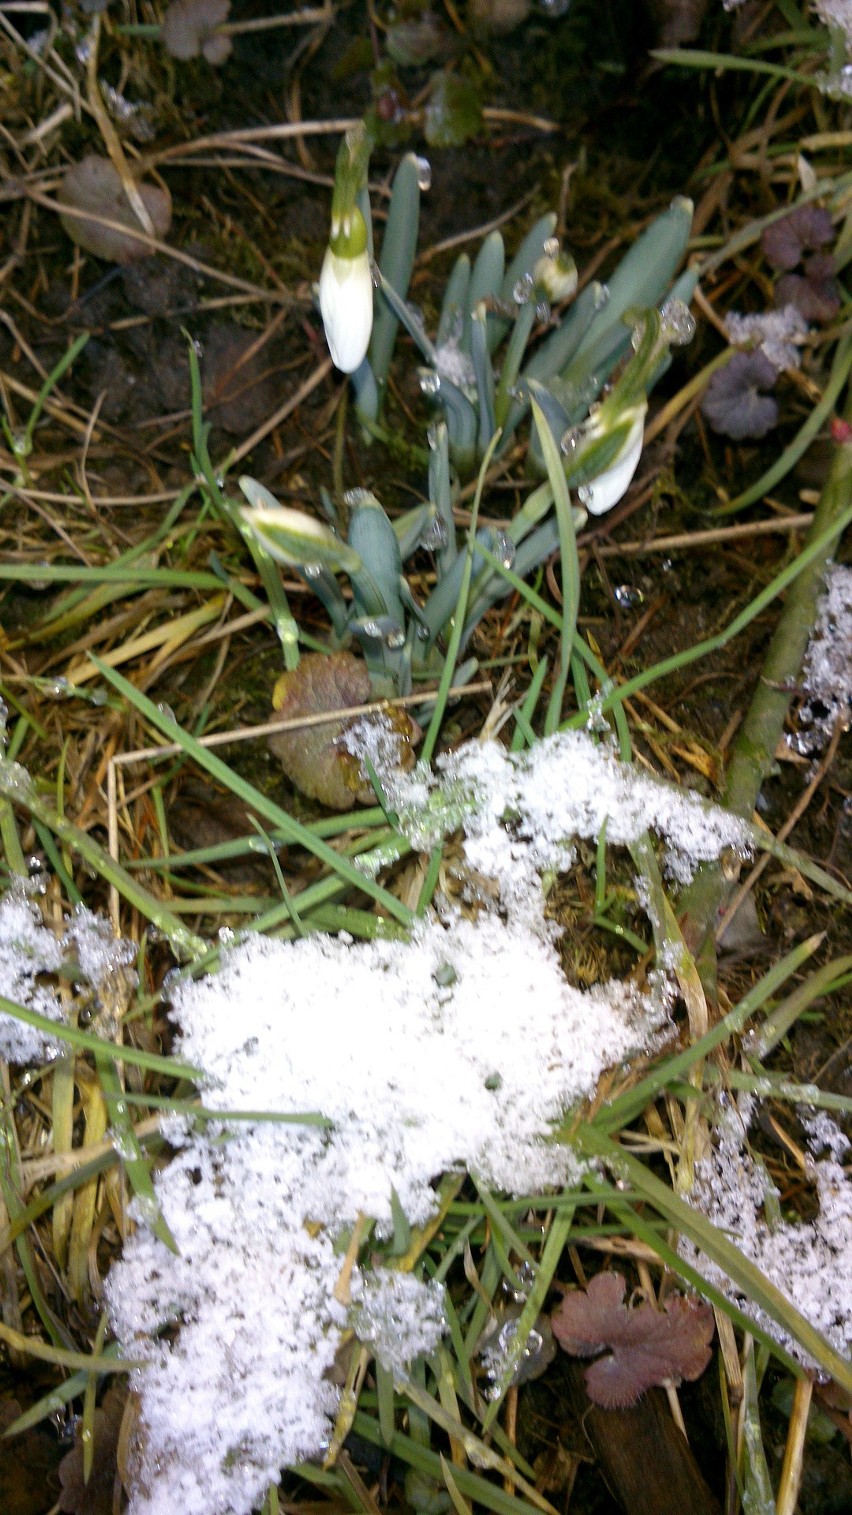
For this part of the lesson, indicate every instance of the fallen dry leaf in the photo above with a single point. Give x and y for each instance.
(189, 28)
(315, 758)
(96, 1496)
(647, 1346)
(93, 185)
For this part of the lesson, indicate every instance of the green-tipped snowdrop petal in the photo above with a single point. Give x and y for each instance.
(346, 302)
(291, 536)
(606, 489)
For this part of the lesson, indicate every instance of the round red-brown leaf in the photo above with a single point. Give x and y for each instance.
(646, 1346)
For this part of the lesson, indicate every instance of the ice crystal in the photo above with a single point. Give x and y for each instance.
(777, 334)
(828, 660)
(399, 1315)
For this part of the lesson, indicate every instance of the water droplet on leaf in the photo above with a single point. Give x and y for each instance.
(424, 174)
(678, 323)
(505, 549)
(628, 595)
(523, 289)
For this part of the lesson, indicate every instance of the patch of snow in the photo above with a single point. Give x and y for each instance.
(776, 333)
(567, 785)
(30, 951)
(824, 1134)
(458, 1050)
(828, 661)
(810, 1262)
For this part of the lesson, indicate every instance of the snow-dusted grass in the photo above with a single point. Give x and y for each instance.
(457, 1050)
(377, 1067)
(810, 1262)
(85, 950)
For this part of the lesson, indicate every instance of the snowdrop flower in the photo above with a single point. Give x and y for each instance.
(346, 292)
(601, 494)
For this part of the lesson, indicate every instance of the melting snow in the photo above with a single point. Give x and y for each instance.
(458, 1050)
(810, 1262)
(828, 660)
(29, 951)
(778, 334)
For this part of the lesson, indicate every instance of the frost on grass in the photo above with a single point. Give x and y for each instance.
(809, 1261)
(30, 953)
(828, 661)
(455, 1051)
(399, 1315)
(778, 334)
(567, 785)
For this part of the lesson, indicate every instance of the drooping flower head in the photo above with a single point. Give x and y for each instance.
(346, 292)
(346, 286)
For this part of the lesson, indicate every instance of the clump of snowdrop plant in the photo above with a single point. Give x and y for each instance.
(484, 372)
(401, 639)
(507, 332)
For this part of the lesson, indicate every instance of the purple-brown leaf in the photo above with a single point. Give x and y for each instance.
(189, 28)
(734, 403)
(815, 294)
(805, 229)
(647, 1346)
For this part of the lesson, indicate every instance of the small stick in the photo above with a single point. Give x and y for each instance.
(791, 1471)
(266, 23)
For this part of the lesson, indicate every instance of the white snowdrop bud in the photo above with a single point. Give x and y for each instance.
(346, 292)
(601, 494)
